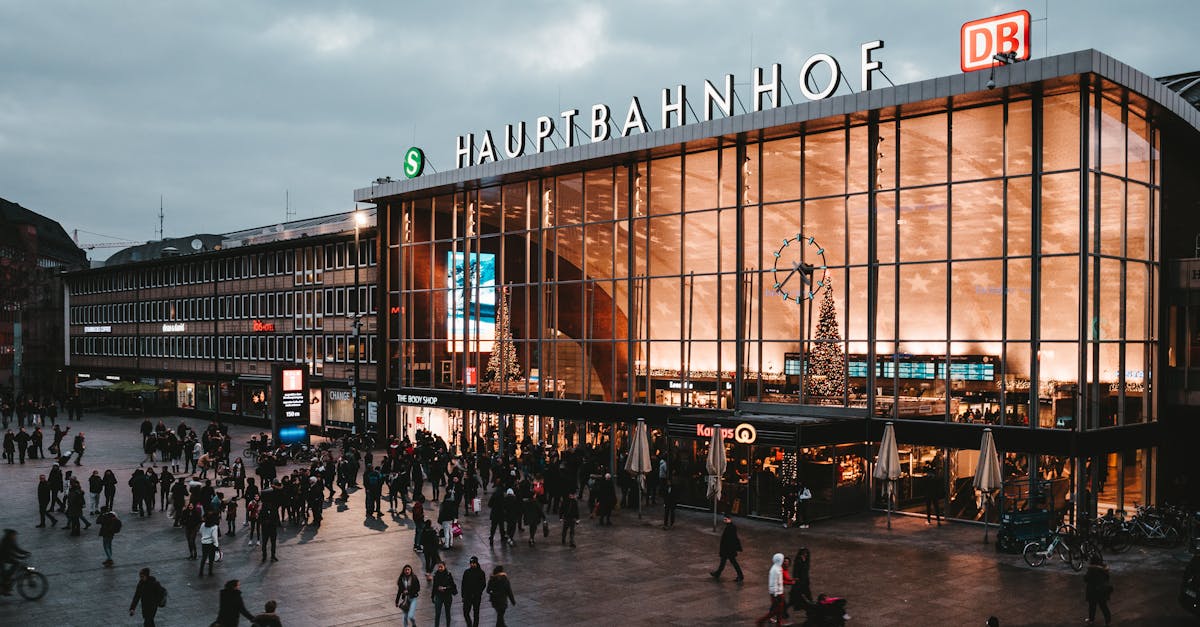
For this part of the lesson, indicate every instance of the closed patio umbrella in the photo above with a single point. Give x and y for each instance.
(887, 466)
(987, 474)
(715, 465)
(638, 461)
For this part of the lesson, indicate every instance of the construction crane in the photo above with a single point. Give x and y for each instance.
(95, 245)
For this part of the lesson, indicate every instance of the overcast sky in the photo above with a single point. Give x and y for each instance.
(224, 109)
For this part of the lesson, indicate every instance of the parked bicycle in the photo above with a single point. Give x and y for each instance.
(1059, 543)
(1155, 526)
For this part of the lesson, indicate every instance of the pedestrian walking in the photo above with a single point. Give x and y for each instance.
(442, 592)
(22, 440)
(935, 492)
(10, 446)
(500, 593)
(95, 489)
(231, 509)
(55, 479)
(429, 548)
(75, 509)
(77, 448)
(731, 545)
(232, 607)
(209, 542)
(670, 500)
(496, 505)
(269, 520)
(151, 594)
(569, 515)
(1099, 589)
(474, 582)
(775, 584)
(803, 498)
(110, 488)
(110, 526)
(45, 501)
(534, 516)
(408, 590)
(447, 514)
(800, 596)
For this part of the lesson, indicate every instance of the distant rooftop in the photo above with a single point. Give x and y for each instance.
(308, 227)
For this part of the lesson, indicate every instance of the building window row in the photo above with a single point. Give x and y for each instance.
(297, 348)
(307, 307)
(305, 264)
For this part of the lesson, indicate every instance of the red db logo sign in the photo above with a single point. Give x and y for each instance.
(994, 35)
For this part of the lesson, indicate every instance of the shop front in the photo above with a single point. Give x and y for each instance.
(765, 464)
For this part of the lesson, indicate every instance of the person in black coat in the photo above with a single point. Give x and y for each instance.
(150, 592)
(474, 582)
(670, 499)
(569, 515)
(731, 545)
(55, 479)
(44, 500)
(430, 543)
(496, 504)
(77, 447)
(500, 593)
(442, 592)
(1099, 589)
(801, 592)
(232, 605)
(22, 439)
(10, 446)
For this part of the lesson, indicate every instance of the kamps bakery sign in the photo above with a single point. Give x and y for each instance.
(766, 86)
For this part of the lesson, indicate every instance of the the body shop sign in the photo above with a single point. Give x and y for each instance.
(291, 416)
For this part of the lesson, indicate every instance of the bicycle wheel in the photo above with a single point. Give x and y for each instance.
(1118, 541)
(249, 454)
(1033, 554)
(1173, 537)
(1075, 558)
(32, 585)
(1090, 549)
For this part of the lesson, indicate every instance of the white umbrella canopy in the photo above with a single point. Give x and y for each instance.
(715, 465)
(987, 473)
(94, 384)
(887, 465)
(988, 478)
(638, 460)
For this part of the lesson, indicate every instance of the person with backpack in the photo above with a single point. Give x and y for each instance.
(500, 593)
(110, 526)
(152, 595)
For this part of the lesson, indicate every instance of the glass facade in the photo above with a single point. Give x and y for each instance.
(990, 263)
(989, 258)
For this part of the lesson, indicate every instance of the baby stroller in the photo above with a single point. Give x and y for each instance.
(827, 612)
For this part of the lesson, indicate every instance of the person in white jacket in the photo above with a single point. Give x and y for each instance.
(210, 531)
(775, 589)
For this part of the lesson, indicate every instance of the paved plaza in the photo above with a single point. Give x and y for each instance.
(633, 573)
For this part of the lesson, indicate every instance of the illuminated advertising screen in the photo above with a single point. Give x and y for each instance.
(478, 322)
(290, 420)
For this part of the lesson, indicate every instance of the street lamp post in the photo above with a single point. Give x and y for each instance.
(360, 219)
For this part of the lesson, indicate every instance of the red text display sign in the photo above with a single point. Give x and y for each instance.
(991, 36)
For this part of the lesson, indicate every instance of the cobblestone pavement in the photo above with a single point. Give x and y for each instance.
(633, 573)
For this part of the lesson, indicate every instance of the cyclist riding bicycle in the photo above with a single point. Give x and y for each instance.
(10, 557)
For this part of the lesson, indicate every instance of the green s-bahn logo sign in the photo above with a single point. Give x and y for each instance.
(414, 162)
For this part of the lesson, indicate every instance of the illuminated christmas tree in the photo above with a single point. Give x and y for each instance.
(502, 365)
(826, 361)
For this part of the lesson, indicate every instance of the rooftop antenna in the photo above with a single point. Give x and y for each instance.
(287, 206)
(160, 217)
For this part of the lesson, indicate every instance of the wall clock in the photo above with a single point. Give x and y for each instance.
(798, 280)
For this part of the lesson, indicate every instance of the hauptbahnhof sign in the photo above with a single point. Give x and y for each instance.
(672, 112)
